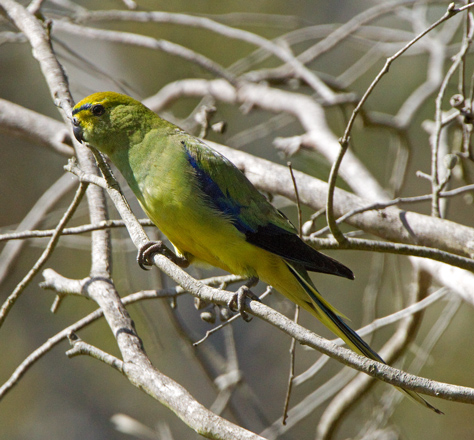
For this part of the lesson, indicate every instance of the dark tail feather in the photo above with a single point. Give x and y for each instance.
(329, 316)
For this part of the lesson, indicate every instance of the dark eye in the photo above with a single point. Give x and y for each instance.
(98, 110)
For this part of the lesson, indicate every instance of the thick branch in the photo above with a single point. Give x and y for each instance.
(35, 127)
(137, 366)
(392, 224)
(205, 293)
(203, 22)
(310, 115)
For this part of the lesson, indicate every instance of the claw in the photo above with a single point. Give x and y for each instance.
(145, 253)
(237, 302)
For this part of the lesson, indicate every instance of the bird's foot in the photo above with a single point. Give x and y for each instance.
(145, 254)
(237, 302)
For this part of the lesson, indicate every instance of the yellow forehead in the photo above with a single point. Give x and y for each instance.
(107, 99)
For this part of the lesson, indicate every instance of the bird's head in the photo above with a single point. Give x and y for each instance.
(109, 121)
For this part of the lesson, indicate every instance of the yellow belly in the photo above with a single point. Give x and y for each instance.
(200, 233)
(211, 240)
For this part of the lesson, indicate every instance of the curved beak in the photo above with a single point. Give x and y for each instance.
(77, 129)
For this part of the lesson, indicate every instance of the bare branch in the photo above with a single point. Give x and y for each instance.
(332, 40)
(278, 50)
(391, 224)
(44, 204)
(12, 298)
(35, 127)
(79, 347)
(106, 224)
(368, 215)
(148, 42)
(207, 294)
(100, 287)
(393, 349)
(451, 11)
(67, 286)
(436, 185)
(310, 115)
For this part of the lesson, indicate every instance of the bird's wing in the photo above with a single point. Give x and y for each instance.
(231, 193)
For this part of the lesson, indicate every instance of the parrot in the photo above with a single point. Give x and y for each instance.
(208, 209)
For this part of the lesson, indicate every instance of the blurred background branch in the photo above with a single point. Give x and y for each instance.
(284, 79)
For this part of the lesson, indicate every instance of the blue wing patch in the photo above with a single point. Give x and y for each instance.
(268, 236)
(220, 201)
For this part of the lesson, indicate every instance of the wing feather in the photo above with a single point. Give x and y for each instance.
(230, 193)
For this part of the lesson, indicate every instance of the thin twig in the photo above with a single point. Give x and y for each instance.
(373, 326)
(67, 287)
(396, 248)
(291, 375)
(451, 11)
(75, 230)
(436, 185)
(267, 292)
(298, 205)
(147, 42)
(330, 217)
(10, 301)
(392, 350)
(297, 308)
(326, 44)
(36, 214)
(278, 50)
(79, 347)
(394, 202)
(306, 407)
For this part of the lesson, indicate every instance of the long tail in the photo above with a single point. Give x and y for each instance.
(330, 317)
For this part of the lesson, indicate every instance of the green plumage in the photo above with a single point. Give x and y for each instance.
(207, 208)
